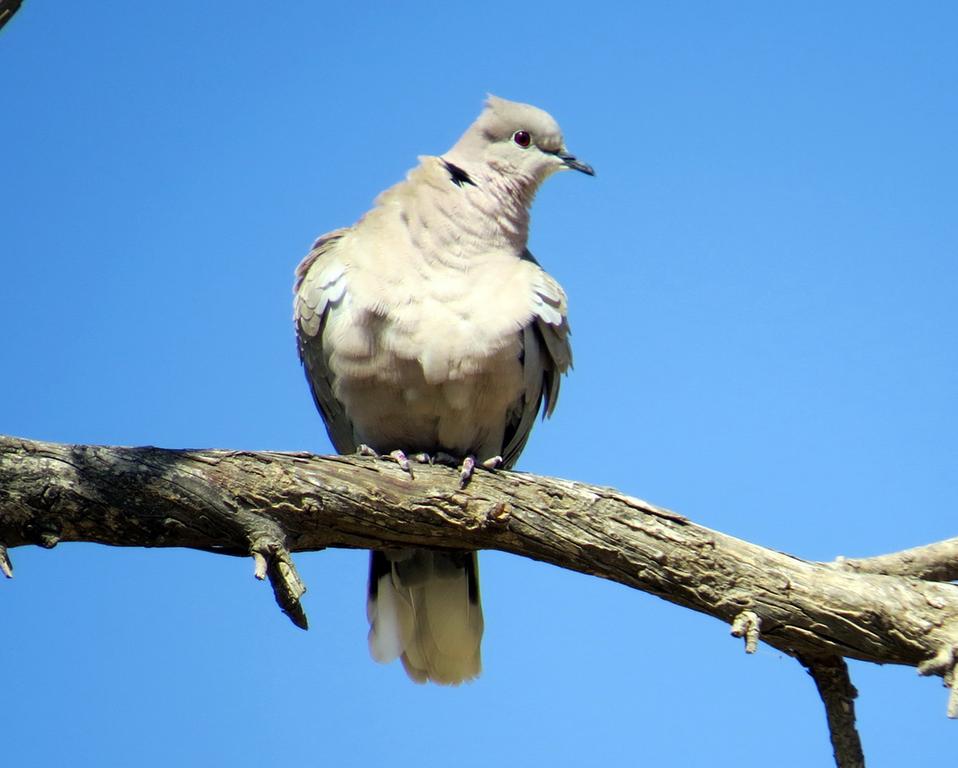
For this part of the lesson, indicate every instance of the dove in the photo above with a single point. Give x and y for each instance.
(428, 329)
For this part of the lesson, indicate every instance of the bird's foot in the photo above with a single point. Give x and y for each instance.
(468, 468)
(397, 456)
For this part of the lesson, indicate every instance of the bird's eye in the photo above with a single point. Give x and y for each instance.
(522, 138)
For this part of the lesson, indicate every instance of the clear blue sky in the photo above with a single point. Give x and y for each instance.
(763, 281)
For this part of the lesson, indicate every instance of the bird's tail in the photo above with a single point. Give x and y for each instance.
(424, 607)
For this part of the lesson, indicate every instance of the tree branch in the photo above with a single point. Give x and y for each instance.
(267, 505)
(7, 9)
(932, 562)
(834, 684)
(6, 567)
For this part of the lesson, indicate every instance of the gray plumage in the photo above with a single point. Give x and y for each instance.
(429, 327)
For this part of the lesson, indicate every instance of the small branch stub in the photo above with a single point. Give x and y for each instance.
(497, 515)
(945, 663)
(259, 565)
(748, 625)
(272, 560)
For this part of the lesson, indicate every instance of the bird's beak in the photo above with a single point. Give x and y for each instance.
(570, 161)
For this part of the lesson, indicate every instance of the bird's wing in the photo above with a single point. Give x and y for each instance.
(320, 288)
(546, 355)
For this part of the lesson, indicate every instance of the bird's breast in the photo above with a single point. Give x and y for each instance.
(438, 366)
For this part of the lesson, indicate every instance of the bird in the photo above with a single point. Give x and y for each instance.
(427, 329)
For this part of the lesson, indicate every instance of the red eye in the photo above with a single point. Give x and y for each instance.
(522, 138)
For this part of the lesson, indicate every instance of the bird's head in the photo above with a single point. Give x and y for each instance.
(516, 140)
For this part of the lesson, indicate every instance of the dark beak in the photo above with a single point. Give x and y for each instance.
(577, 165)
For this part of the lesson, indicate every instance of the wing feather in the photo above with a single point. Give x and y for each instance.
(320, 288)
(546, 355)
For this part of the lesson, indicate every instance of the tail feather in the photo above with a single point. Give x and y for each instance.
(386, 635)
(424, 606)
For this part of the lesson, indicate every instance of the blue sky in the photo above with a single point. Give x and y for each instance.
(762, 281)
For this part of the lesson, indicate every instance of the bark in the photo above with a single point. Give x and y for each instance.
(898, 608)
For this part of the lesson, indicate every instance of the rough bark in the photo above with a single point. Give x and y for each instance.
(898, 608)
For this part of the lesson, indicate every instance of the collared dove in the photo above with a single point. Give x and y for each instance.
(428, 327)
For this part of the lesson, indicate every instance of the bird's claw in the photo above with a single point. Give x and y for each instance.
(400, 458)
(492, 463)
(466, 471)
(468, 468)
(397, 456)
